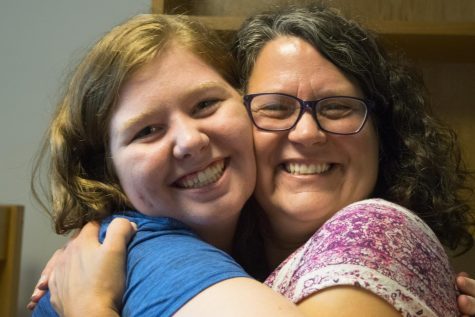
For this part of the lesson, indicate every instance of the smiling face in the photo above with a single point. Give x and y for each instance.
(305, 175)
(181, 143)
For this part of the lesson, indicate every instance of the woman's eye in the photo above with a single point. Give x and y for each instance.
(205, 107)
(145, 132)
(335, 110)
(275, 110)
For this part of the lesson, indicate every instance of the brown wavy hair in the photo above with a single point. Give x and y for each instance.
(420, 162)
(81, 185)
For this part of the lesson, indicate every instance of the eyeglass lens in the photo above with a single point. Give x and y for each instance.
(342, 115)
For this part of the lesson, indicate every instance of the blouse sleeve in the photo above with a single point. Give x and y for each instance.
(381, 247)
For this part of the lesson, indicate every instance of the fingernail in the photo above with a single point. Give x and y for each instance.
(134, 225)
(36, 292)
(41, 280)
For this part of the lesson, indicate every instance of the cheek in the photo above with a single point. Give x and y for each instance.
(266, 147)
(128, 180)
(236, 127)
(366, 156)
(135, 168)
(140, 184)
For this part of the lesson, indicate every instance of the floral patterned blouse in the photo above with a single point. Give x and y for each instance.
(381, 247)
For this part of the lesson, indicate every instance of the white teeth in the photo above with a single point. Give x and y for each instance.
(202, 178)
(304, 169)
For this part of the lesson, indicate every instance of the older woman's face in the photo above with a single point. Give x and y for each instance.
(305, 175)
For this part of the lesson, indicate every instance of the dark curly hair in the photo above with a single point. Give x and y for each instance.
(420, 161)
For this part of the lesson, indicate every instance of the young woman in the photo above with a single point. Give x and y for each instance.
(152, 129)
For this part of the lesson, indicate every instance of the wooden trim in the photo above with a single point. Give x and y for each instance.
(3, 234)
(423, 28)
(158, 6)
(449, 41)
(11, 226)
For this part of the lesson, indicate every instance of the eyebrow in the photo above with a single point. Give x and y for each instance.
(188, 92)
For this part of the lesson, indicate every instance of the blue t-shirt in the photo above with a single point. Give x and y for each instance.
(167, 265)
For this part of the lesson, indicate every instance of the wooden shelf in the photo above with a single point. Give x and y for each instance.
(11, 228)
(449, 41)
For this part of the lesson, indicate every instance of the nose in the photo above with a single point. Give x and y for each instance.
(190, 141)
(307, 132)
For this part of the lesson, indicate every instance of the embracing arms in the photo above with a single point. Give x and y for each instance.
(103, 297)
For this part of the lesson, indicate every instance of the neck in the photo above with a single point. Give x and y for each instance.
(283, 239)
(219, 234)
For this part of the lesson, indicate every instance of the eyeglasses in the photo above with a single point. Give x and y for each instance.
(280, 112)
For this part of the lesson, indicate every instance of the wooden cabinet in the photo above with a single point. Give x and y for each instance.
(11, 225)
(439, 35)
(426, 29)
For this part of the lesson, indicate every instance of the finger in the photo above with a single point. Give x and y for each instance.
(53, 290)
(90, 231)
(119, 233)
(464, 274)
(466, 285)
(31, 305)
(50, 265)
(466, 304)
(37, 295)
(42, 285)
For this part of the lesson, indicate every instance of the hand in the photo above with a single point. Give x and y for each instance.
(88, 278)
(42, 285)
(466, 301)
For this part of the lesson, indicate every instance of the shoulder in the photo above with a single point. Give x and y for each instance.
(379, 246)
(167, 265)
(44, 307)
(378, 213)
(376, 221)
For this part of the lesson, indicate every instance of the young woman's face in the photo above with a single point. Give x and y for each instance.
(305, 175)
(181, 142)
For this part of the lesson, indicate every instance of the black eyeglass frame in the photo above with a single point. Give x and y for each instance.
(308, 105)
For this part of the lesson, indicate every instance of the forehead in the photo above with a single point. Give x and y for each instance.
(173, 68)
(289, 63)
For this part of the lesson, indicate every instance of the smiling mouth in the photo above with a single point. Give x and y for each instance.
(207, 176)
(306, 169)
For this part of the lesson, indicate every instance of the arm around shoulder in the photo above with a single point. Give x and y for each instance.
(346, 301)
(239, 297)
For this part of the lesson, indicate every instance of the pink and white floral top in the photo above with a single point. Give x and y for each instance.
(381, 247)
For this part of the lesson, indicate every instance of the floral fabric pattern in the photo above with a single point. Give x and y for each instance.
(381, 247)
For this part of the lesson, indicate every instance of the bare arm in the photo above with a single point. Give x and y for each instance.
(251, 298)
(109, 258)
(346, 301)
(239, 297)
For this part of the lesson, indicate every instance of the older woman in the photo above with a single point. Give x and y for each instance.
(336, 122)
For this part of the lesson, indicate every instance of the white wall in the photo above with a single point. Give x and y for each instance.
(39, 42)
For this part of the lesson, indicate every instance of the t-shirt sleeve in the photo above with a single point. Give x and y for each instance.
(44, 308)
(381, 247)
(166, 272)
